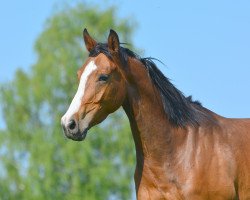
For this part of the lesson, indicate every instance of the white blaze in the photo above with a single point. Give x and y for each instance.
(76, 102)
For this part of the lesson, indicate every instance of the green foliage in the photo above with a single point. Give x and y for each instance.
(37, 161)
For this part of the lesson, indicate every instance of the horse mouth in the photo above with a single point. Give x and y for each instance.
(79, 136)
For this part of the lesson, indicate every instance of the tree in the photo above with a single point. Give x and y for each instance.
(37, 161)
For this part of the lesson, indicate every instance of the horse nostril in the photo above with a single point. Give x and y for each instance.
(72, 124)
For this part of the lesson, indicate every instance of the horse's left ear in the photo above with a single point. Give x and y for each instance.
(90, 43)
(113, 41)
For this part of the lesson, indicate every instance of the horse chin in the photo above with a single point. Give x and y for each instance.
(79, 136)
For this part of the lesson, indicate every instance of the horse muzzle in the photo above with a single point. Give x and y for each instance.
(72, 131)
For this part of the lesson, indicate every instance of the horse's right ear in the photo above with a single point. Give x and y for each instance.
(90, 43)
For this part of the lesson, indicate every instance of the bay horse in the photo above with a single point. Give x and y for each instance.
(183, 150)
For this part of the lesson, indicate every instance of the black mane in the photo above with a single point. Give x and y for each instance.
(180, 110)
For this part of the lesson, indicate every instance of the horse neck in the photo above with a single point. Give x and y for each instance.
(149, 123)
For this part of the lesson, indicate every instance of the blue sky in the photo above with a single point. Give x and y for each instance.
(204, 44)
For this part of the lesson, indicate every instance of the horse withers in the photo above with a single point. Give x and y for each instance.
(183, 150)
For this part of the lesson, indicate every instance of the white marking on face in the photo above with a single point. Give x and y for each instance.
(76, 102)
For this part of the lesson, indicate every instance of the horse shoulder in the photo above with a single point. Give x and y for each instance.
(239, 133)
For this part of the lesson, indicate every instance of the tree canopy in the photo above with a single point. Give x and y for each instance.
(37, 161)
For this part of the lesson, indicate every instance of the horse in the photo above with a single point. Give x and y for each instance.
(183, 150)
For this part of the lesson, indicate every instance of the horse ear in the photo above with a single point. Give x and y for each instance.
(90, 43)
(113, 41)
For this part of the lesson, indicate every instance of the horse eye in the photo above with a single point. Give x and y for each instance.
(103, 77)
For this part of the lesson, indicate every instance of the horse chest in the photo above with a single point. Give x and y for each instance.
(153, 191)
(170, 191)
(155, 183)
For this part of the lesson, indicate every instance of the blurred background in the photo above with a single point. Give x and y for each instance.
(205, 46)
